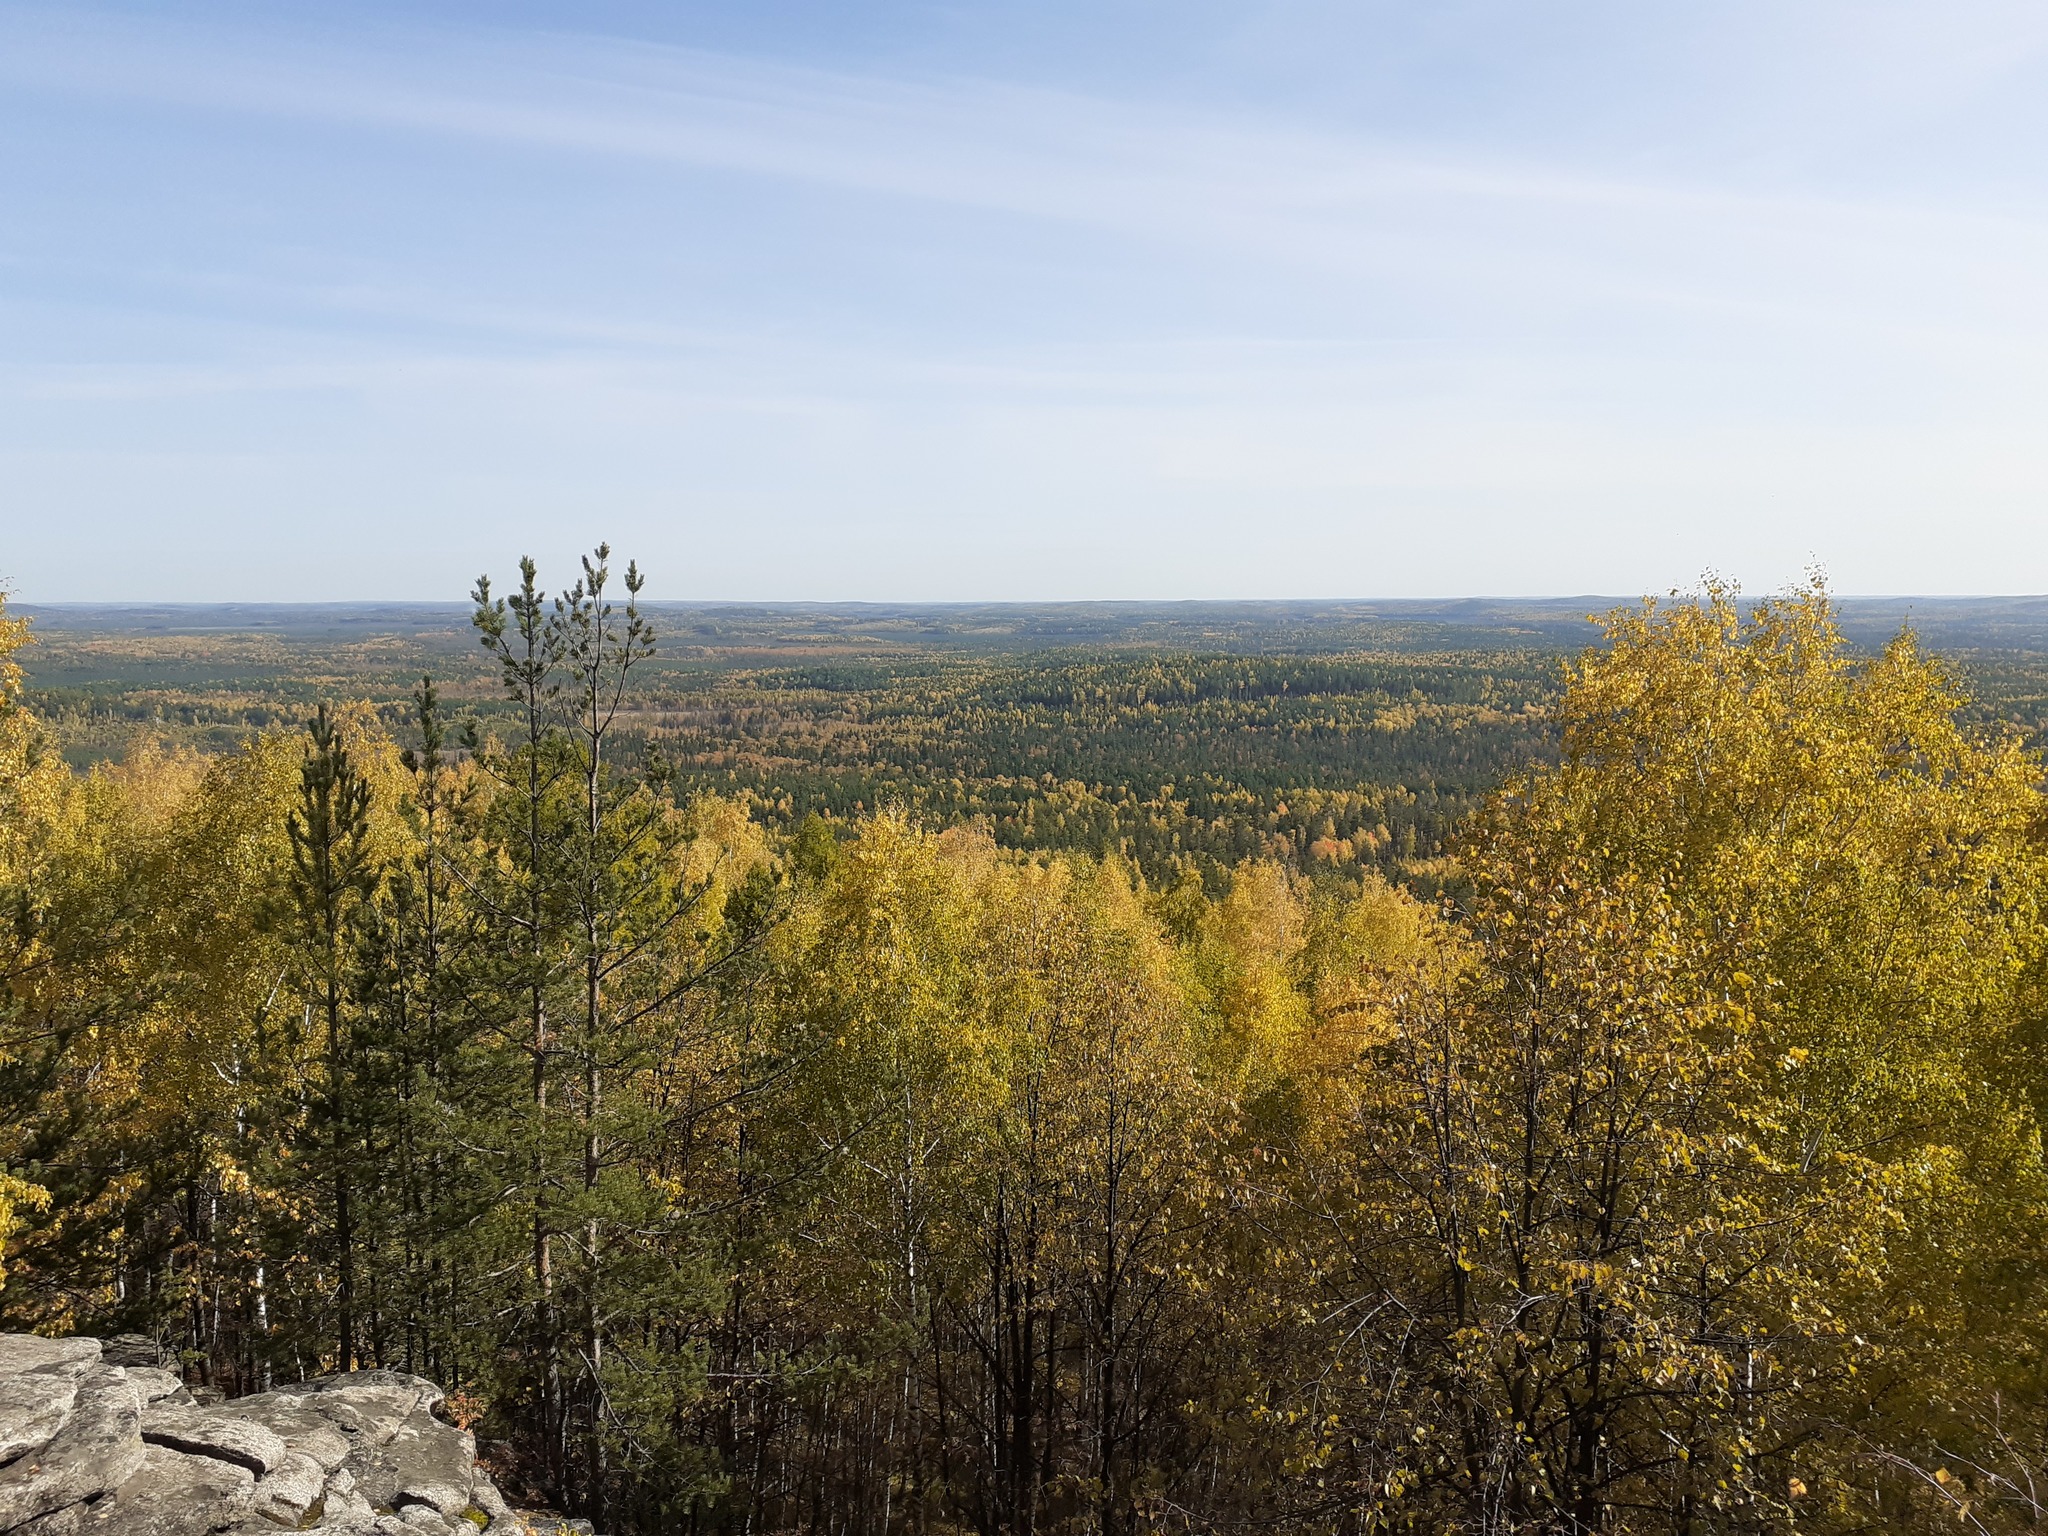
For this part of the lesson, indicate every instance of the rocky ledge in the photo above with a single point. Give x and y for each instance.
(97, 1441)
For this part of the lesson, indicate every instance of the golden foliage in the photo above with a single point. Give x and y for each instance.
(1686, 1177)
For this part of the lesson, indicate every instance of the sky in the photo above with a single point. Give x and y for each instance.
(861, 299)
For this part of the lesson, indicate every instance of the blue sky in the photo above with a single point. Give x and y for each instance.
(1115, 299)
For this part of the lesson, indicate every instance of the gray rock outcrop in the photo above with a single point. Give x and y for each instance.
(110, 1443)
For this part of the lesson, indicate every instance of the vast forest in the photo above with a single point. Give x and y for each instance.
(1384, 1073)
(1185, 746)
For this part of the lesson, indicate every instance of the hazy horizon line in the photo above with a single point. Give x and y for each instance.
(21, 605)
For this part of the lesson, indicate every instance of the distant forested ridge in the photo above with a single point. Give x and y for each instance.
(1360, 751)
(885, 1072)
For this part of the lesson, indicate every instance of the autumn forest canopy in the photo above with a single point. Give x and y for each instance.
(1322, 1088)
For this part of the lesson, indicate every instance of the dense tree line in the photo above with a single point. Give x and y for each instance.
(1181, 764)
(745, 1172)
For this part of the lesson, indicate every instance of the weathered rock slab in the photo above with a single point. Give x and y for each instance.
(130, 1350)
(302, 1429)
(97, 1449)
(173, 1494)
(21, 1353)
(290, 1491)
(425, 1462)
(124, 1450)
(197, 1432)
(32, 1409)
(153, 1384)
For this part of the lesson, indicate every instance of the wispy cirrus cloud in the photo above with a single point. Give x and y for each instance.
(441, 270)
(1157, 173)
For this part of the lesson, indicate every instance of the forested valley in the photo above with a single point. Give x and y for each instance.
(1339, 745)
(1191, 1090)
